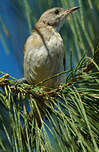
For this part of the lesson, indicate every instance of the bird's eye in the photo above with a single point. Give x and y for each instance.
(57, 12)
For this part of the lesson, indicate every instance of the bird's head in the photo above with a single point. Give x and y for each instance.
(55, 17)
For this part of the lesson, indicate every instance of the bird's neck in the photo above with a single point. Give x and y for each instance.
(45, 31)
(45, 28)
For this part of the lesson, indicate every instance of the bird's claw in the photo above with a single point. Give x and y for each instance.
(21, 80)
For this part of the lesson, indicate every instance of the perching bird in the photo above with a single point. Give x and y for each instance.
(44, 49)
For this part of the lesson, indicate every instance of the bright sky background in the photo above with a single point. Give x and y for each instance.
(11, 61)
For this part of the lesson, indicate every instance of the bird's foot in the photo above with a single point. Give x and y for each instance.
(21, 80)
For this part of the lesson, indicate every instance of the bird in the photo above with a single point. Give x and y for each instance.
(44, 53)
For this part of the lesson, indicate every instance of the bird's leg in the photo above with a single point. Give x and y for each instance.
(21, 80)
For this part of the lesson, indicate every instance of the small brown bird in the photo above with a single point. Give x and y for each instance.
(44, 49)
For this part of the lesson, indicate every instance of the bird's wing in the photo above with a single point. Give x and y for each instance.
(33, 41)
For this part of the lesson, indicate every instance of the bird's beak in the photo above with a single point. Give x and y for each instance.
(68, 11)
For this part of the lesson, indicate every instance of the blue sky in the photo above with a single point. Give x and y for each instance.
(11, 19)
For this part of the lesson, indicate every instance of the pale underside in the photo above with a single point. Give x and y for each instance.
(43, 58)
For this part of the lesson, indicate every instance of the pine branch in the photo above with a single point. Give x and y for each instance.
(43, 105)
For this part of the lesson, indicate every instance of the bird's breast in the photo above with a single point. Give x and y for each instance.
(44, 61)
